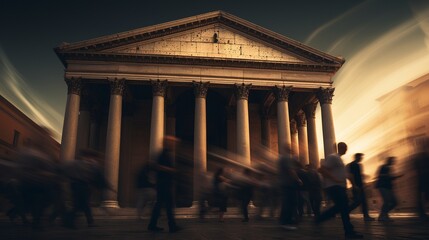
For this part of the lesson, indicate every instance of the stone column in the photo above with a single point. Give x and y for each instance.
(282, 94)
(113, 141)
(69, 136)
(157, 119)
(294, 137)
(313, 149)
(302, 138)
(243, 134)
(325, 98)
(200, 136)
(266, 130)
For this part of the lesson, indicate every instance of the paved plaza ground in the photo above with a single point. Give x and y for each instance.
(126, 226)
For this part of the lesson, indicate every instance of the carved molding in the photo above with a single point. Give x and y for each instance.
(74, 86)
(300, 119)
(310, 110)
(200, 89)
(242, 91)
(325, 95)
(117, 86)
(282, 93)
(159, 88)
(293, 127)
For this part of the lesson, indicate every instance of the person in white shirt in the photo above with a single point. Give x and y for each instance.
(334, 173)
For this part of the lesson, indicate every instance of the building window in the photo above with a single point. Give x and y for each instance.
(15, 138)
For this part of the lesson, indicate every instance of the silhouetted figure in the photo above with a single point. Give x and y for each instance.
(334, 173)
(220, 196)
(355, 176)
(314, 189)
(384, 184)
(164, 187)
(289, 184)
(85, 174)
(245, 192)
(421, 166)
(146, 190)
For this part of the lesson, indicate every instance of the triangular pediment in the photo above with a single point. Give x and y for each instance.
(216, 41)
(194, 38)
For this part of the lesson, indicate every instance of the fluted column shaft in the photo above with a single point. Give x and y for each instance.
(302, 138)
(71, 119)
(284, 137)
(243, 134)
(313, 149)
(157, 119)
(113, 142)
(329, 142)
(200, 136)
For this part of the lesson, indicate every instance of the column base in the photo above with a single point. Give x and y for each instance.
(109, 204)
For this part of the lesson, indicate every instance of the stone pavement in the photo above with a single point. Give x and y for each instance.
(116, 226)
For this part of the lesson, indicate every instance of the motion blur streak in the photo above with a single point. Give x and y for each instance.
(375, 66)
(15, 89)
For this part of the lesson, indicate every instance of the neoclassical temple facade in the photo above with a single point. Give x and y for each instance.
(211, 79)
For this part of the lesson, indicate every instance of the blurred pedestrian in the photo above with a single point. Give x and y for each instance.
(85, 175)
(421, 167)
(145, 190)
(334, 173)
(220, 196)
(384, 185)
(164, 187)
(355, 176)
(290, 184)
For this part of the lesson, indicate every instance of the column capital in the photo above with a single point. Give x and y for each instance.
(74, 86)
(293, 127)
(300, 119)
(117, 86)
(159, 88)
(325, 95)
(310, 110)
(200, 89)
(242, 91)
(282, 93)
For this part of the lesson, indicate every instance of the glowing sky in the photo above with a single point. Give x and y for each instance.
(384, 43)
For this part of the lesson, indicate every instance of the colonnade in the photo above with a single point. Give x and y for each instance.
(299, 131)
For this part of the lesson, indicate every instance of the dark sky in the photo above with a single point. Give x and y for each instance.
(31, 76)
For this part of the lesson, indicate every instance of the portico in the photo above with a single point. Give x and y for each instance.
(212, 79)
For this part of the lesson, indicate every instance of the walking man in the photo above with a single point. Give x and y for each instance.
(355, 176)
(334, 173)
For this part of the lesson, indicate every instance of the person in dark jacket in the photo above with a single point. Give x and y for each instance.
(385, 185)
(164, 187)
